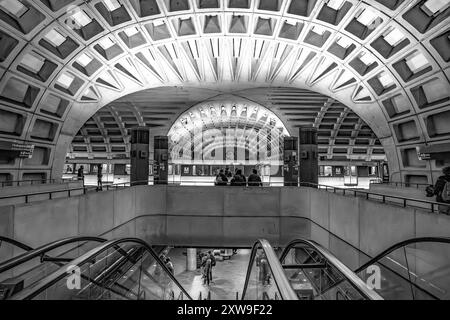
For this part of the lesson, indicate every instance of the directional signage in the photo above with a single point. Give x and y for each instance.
(17, 150)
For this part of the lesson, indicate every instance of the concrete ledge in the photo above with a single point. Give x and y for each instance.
(59, 190)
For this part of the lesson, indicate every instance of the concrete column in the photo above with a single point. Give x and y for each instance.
(191, 259)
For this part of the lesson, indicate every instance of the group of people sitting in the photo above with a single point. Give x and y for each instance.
(225, 178)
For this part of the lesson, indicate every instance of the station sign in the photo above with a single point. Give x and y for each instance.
(18, 150)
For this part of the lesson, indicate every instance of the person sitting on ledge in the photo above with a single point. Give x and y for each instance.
(238, 179)
(254, 180)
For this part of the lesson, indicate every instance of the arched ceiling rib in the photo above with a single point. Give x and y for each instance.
(61, 61)
(342, 134)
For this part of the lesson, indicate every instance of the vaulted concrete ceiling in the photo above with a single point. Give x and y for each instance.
(387, 60)
(342, 134)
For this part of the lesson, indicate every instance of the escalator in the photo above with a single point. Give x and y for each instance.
(32, 265)
(315, 274)
(415, 269)
(130, 269)
(125, 269)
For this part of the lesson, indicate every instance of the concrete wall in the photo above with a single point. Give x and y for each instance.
(222, 216)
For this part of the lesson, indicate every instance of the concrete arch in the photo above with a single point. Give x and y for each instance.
(386, 61)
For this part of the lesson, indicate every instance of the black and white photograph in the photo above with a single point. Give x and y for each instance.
(224, 158)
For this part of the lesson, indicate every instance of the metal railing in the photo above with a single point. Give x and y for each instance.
(41, 251)
(433, 206)
(401, 184)
(15, 243)
(19, 183)
(70, 191)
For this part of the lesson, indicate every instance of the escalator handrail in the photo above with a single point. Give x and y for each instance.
(27, 256)
(280, 279)
(43, 284)
(351, 277)
(16, 243)
(399, 246)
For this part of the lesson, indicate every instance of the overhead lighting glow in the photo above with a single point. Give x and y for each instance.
(335, 4)
(367, 17)
(14, 7)
(367, 59)
(81, 18)
(131, 31)
(106, 43)
(417, 62)
(65, 80)
(432, 7)
(112, 5)
(386, 80)
(55, 38)
(394, 37)
(84, 60)
(319, 30)
(158, 23)
(344, 42)
(32, 62)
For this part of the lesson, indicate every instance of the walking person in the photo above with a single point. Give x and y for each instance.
(254, 180)
(442, 191)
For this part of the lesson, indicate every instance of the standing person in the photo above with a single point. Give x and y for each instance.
(81, 173)
(442, 191)
(213, 264)
(254, 180)
(264, 271)
(99, 177)
(202, 265)
(207, 270)
(170, 266)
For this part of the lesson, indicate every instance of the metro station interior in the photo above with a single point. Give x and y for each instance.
(117, 117)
